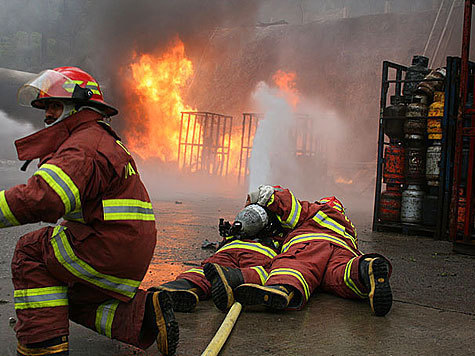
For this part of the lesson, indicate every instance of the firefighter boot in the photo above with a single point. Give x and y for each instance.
(58, 346)
(159, 317)
(184, 294)
(223, 280)
(374, 274)
(274, 296)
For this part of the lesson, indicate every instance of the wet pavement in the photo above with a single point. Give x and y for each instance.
(433, 311)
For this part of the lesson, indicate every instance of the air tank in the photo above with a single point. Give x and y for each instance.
(393, 119)
(416, 114)
(411, 204)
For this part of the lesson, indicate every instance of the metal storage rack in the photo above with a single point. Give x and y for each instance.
(397, 72)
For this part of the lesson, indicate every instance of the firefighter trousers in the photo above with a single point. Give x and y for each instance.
(253, 258)
(47, 295)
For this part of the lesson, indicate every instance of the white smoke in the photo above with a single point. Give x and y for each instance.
(11, 130)
(273, 154)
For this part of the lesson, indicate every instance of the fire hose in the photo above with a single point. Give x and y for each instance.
(224, 330)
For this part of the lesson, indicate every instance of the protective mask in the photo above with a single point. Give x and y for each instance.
(68, 110)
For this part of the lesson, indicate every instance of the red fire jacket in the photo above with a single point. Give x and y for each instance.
(87, 177)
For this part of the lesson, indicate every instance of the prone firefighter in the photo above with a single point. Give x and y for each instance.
(87, 268)
(317, 248)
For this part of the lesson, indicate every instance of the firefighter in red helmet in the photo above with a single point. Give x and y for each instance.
(87, 268)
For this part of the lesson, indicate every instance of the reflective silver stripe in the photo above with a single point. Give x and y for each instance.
(65, 255)
(127, 209)
(262, 273)
(41, 297)
(75, 216)
(105, 317)
(292, 273)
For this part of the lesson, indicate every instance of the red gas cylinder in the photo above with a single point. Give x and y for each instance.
(390, 203)
(393, 171)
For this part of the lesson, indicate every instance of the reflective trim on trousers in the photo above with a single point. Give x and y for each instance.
(293, 273)
(196, 270)
(105, 316)
(262, 273)
(45, 297)
(350, 283)
(253, 246)
(65, 255)
(6, 216)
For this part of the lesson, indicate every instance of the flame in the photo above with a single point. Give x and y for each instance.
(158, 84)
(342, 180)
(286, 83)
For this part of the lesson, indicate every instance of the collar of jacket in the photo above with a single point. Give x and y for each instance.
(49, 139)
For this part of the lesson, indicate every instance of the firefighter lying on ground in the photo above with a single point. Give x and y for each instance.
(89, 267)
(317, 249)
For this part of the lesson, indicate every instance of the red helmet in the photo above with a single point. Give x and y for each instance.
(64, 83)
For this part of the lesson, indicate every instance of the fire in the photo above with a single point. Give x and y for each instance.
(158, 84)
(342, 180)
(286, 83)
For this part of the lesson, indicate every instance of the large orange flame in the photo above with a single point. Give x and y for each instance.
(285, 81)
(158, 84)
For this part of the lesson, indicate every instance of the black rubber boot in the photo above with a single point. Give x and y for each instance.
(374, 274)
(159, 317)
(275, 296)
(184, 294)
(59, 346)
(223, 280)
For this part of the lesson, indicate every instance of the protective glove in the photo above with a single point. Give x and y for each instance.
(261, 196)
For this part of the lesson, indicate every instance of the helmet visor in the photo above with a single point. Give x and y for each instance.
(48, 84)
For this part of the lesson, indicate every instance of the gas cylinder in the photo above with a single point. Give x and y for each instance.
(415, 123)
(417, 71)
(432, 82)
(436, 112)
(434, 154)
(393, 119)
(411, 204)
(393, 171)
(414, 162)
(390, 203)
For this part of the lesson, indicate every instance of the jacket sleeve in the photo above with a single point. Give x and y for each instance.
(54, 190)
(289, 210)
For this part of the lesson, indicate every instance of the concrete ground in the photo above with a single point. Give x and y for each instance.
(433, 311)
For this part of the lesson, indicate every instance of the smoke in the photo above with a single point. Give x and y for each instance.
(273, 155)
(11, 130)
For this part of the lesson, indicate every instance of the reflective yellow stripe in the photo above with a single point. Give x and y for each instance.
(123, 147)
(349, 282)
(65, 255)
(271, 200)
(127, 209)
(41, 351)
(196, 270)
(69, 85)
(105, 316)
(41, 297)
(62, 184)
(262, 273)
(309, 237)
(322, 219)
(253, 246)
(293, 273)
(94, 87)
(6, 216)
(75, 216)
(294, 214)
